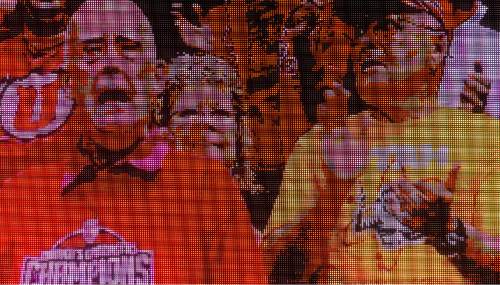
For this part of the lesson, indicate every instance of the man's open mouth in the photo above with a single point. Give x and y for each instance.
(220, 145)
(369, 63)
(113, 95)
(48, 4)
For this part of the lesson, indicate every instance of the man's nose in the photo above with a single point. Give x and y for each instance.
(113, 55)
(111, 76)
(370, 40)
(112, 62)
(205, 121)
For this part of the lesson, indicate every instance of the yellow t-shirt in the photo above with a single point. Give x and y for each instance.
(429, 147)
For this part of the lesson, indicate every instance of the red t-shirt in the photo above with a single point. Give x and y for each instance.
(188, 225)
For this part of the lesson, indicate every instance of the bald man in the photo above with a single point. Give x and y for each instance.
(119, 206)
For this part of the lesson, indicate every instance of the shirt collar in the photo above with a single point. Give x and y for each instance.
(144, 162)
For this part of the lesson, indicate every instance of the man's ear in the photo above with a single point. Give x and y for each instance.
(440, 48)
(160, 71)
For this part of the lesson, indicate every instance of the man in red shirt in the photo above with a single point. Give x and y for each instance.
(120, 205)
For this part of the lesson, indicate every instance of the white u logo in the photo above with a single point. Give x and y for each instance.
(35, 106)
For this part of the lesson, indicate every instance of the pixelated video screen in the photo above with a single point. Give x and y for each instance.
(249, 141)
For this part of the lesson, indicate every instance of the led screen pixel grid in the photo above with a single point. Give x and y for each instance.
(249, 141)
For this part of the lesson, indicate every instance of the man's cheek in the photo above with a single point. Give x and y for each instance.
(226, 125)
(141, 111)
(408, 62)
(417, 50)
(88, 70)
(82, 89)
(183, 128)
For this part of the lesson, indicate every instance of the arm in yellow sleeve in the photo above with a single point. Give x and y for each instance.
(297, 197)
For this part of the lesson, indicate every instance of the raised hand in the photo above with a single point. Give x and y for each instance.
(331, 44)
(345, 147)
(423, 205)
(476, 89)
(300, 21)
(198, 37)
(334, 110)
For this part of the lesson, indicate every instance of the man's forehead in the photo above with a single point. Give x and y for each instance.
(96, 30)
(360, 13)
(417, 16)
(123, 18)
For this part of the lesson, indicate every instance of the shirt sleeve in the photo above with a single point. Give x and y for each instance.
(231, 253)
(297, 196)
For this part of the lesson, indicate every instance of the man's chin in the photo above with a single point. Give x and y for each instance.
(379, 77)
(117, 136)
(47, 5)
(115, 115)
(375, 91)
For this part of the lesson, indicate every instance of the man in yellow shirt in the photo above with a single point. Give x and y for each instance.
(405, 192)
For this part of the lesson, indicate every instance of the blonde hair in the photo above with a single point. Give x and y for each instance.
(187, 71)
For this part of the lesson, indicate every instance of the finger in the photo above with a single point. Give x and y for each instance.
(409, 193)
(393, 203)
(469, 97)
(409, 198)
(473, 102)
(197, 9)
(477, 86)
(477, 98)
(480, 78)
(451, 181)
(433, 191)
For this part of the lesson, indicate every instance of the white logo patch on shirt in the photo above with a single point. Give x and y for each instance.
(47, 111)
(120, 263)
